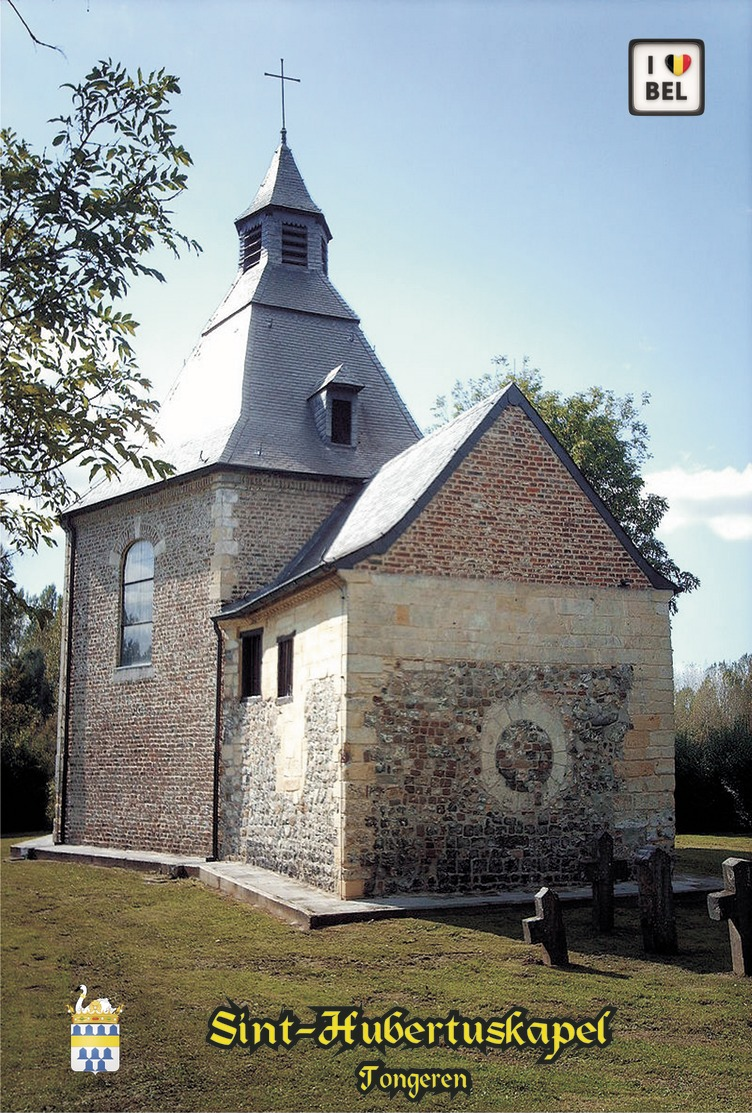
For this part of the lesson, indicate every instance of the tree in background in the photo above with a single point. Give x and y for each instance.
(30, 668)
(606, 437)
(714, 750)
(76, 229)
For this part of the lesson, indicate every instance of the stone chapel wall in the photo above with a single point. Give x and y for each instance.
(280, 785)
(140, 754)
(494, 728)
(510, 684)
(141, 740)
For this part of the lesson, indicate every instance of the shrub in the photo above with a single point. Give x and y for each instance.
(714, 780)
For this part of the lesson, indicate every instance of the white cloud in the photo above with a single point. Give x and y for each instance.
(732, 527)
(719, 499)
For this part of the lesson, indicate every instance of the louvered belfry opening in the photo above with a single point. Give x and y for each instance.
(295, 245)
(250, 247)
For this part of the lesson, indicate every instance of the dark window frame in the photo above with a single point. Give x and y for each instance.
(251, 655)
(285, 656)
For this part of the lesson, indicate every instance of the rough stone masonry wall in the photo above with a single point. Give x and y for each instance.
(280, 784)
(494, 728)
(141, 740)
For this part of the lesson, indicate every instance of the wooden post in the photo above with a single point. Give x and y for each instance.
(603, 870)
(547, 928)
(734, 904)
(656, 901)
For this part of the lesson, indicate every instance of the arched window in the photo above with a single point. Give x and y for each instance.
(137, 594)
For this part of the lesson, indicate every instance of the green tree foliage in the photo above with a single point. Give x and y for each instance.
(606, 437)
(30, 668)
(77, 227)
(714, 750)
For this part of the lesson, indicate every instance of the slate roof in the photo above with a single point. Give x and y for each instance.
(242, 399)
(370, 520)
(283, 188)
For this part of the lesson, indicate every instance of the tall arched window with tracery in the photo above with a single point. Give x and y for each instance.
(137, 595)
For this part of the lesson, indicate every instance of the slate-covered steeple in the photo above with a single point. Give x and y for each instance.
(282, 378)
(282, 204)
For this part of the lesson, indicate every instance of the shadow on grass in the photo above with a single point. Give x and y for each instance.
(703, 944)
(581, 968)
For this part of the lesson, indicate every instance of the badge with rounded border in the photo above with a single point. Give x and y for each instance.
(666, 77)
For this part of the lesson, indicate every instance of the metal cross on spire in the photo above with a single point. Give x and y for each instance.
(282, 78)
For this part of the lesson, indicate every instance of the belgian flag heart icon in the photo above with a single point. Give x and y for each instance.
(678, 63)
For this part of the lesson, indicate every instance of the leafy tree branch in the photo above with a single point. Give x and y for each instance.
(77, 228)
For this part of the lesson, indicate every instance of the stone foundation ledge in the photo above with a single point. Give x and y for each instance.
(308, 908)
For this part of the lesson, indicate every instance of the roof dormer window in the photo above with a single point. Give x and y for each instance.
(335, 407)
(295, 245)
(250, 247)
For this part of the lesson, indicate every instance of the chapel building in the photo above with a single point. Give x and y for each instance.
(339, 650)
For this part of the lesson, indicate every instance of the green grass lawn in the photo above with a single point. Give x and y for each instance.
(172, 952)
(704, 854)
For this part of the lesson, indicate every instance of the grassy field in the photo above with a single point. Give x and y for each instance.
(172, 952)
(704, 854)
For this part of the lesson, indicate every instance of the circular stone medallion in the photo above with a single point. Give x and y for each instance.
(523, 752)
(524, 755)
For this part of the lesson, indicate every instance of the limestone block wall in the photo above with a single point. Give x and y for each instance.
(281, 758)
(494, 727)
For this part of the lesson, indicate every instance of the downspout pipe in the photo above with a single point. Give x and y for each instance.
(66, 688)
(217, 746)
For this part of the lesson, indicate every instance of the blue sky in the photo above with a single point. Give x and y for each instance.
(489, 193)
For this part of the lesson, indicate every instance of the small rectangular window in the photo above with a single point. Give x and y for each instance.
(284, 667)
(341, 421)
(250, 663)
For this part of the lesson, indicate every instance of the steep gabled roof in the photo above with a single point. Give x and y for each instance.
(368, 522)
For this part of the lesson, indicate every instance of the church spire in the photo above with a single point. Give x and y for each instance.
(283, 188)
(283, 224)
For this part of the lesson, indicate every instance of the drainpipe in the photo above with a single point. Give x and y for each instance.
(343, 738)
(66, 688)
(217, 747)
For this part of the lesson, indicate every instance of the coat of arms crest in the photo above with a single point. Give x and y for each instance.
(95, 1034)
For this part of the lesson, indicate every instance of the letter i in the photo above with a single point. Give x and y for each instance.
(650, 63)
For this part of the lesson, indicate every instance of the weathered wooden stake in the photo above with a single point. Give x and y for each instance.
(547, 928)
(603, 870)
(734, 904)
(656, 901)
